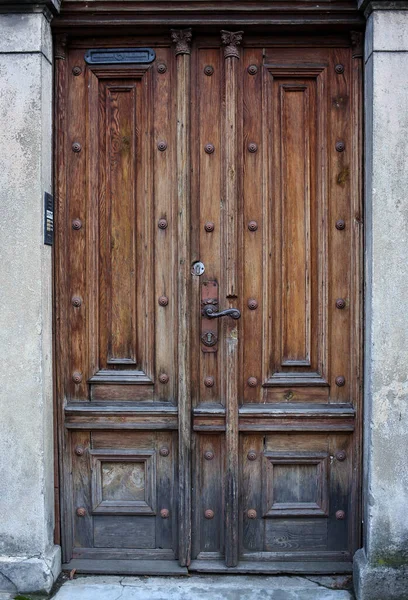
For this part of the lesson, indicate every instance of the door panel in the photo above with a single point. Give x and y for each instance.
(242, 153)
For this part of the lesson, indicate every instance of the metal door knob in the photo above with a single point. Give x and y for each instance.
(211, 313)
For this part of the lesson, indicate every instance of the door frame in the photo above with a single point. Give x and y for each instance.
(77, 22)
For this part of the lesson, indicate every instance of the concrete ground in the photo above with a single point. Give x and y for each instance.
(205, 587)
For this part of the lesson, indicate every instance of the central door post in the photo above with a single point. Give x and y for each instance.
(182, 41)
(231, 41)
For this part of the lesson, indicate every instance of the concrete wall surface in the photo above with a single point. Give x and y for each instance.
(28, 559)
(381, 568)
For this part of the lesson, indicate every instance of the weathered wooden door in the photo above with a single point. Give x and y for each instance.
(208, 302)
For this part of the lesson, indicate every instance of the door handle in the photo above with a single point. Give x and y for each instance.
(211, 313)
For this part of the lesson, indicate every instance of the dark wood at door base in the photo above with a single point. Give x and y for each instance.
(310, 568)
(125, 567)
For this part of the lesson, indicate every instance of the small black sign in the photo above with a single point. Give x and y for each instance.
(113, 56)
(48, 219)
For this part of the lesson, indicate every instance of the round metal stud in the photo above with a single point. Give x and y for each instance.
(162, 224)
(162, 146)
(340, 303)
(252, 225)
(164, 513)
(340, 225)
(208, 70)
(81, 512)
(252, 147)
(252, 69)
(340, 146)
(209, 381)
(208, 455)
(77, 71)
(340, 515)
(209, 148)
(161, 68)
(339, 69)
(341, 455)
(76, 147)
(164, 451)
(252, 304)
(340, 381)
(79, 450)
(209, 514)
(76, 301)
(77, 377)
(209, 227)
(252, 455)
(251, 513)
(164, 378)
(163, 301)
(252, 381)
(76, 224)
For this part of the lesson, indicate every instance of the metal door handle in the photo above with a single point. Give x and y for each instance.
(211, 313)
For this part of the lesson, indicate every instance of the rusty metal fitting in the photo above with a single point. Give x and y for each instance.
(252, 381)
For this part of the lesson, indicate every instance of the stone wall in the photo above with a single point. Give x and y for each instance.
(381, 567)
(28, 559)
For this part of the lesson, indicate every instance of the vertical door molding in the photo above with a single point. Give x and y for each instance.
(231, 41)
(60, 275)
(182, 40)
(357, 276)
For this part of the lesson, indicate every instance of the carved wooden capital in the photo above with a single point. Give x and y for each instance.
(231, 40)
(60, 47)
(182, 39)
(357, 40)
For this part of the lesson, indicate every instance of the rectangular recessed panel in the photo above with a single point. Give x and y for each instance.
(295, 190)
(294, 484)
(123, 481)
(297, 99)
(283, 535)
(119, 241)
(120, 237)
(124, 532)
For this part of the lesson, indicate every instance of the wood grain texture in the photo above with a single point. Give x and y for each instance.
(284, 95)
(122, 16)
(232, 187)
(60, 275)
(297, 97)
(357, 290)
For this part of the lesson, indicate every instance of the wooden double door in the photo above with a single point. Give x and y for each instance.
(208, 302)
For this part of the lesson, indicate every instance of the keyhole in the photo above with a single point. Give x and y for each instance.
(197, 268)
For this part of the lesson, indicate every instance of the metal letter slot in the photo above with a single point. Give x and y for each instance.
(113, 56)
